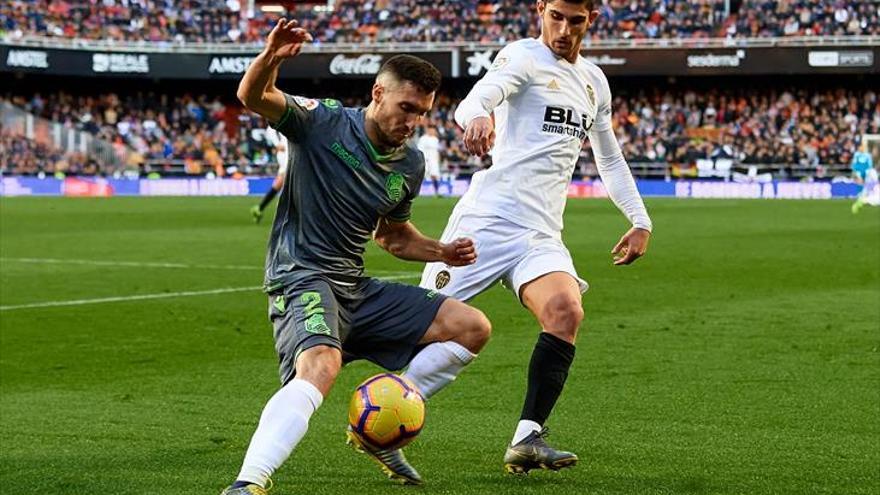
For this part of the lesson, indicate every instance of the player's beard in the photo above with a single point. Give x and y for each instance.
(388, 140)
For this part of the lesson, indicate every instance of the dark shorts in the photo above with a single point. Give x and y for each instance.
(371, 319)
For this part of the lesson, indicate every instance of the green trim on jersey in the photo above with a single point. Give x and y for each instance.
(379, 157)
(287, 112)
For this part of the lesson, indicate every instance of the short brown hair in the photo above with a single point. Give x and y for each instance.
(413, 69)
(591, 4)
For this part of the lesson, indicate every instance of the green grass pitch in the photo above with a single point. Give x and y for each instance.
(741, 356)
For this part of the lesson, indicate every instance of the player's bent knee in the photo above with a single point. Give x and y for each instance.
(562, 316)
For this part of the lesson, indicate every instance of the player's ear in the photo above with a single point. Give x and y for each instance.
(594, 14)
(541, 6)
(378, 92)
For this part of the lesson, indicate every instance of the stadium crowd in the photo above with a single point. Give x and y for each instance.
(24, 156)
(194, 21)
(794, 126)
(205, 134)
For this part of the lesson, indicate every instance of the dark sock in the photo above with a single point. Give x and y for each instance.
(548, 370)
(436, 186)
(268, 198)
(240, 484)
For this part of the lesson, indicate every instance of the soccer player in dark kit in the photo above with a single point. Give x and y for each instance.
(353, 178)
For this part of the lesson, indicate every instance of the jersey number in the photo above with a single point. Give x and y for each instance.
(314, 313)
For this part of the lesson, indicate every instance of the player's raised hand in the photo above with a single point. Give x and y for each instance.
(286, 39)
(631, 246)
(479, 137)
(460, 252)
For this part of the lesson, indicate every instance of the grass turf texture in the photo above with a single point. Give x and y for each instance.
(740, 356)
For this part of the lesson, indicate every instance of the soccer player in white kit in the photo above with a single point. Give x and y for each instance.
(282, 155)
(546, 101)
(429, 145)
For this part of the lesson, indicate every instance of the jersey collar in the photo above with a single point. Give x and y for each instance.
(393, 155)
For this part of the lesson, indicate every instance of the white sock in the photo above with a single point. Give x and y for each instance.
(523, 428)
(283, 423)
(437, 365)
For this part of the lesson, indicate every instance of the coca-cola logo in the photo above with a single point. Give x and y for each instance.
(364, 64)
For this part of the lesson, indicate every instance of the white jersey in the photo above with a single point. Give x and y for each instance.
(544, 107)
(430, 147)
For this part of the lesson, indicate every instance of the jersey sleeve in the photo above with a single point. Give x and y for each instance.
(304, 114)
(509, 74)
(613, 169)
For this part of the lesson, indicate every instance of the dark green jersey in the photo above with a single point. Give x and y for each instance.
(336, 190)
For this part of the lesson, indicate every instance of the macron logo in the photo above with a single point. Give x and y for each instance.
(346, 156)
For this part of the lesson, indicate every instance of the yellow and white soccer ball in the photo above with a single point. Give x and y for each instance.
(386, 411)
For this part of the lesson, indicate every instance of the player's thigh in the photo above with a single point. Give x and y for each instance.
(547, 283)
(388, 321)
(499, 246)
(546, 256)
(304, 315)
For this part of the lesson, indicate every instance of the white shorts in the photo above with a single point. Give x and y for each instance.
(871, 193)
(281, 156)
(506, 252)
(432, 169)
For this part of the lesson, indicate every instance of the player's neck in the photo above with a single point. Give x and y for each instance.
(373, 133)
(570, 57)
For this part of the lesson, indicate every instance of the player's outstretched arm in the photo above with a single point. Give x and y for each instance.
(257, 89)
(404, 241)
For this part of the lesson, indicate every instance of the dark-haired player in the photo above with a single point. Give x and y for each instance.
(352, 179)
(546, 101)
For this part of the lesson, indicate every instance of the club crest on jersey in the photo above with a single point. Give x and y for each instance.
(500, 61)
(442, 279)
(307, 103)
(394, 186)
(591, 94)
(567, 122)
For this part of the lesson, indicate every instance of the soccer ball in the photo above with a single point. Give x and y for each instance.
(386, 411)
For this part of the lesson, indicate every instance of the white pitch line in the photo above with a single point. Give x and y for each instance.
(161, 295)
(136, 264)
(150, 264)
